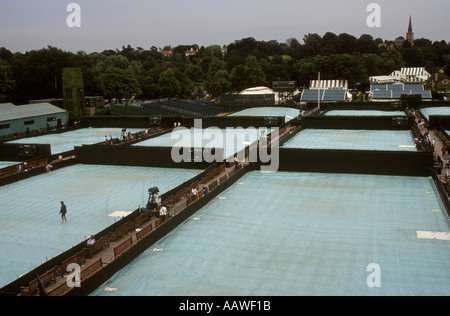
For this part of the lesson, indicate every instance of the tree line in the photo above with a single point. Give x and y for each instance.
(153, 73)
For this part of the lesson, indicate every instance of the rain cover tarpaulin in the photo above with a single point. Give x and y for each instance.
(30, 227)
(301, 234)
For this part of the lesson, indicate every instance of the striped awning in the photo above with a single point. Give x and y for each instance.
(328, 84)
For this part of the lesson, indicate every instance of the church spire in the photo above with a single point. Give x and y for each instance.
(410, 34)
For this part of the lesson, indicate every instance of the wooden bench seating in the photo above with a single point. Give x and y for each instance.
(78, 258)
(88, 271)
(223, 178)
(97, 246)
(212, 185)
(159, 221)
(33, 286)
(123, 247)
(7, 171)
(141, 219)
(173, 199)
(122, 230)
(60, 290)
(214, 173)
(91, 269)
(144, 232)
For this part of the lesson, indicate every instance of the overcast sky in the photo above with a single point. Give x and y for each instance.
(109, 24)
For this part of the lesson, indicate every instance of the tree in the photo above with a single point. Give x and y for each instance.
(238, 81)
(195, 73)
(186, 84)
(305, 70)
(412, 56)
(214, 66)
(213, 51)
(313, 44)
(253, 73)
(347, 43)
(6, 83)
(219, 83)
(6, 55)
(244, 46)
(119, 83)
(395, 56)
(330, 44)
(169, 86)
(366, 44)
(447, 67)
(39, 73)
(150, 89)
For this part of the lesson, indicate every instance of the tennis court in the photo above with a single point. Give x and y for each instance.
(287, 113)
(4, 164)
(231, 140)
(364, 113)
(383, 140)
(31, 230)
(301, 234)
(437, 110)
(63, 142)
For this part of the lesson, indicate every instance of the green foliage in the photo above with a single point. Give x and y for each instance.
(245, 63)
(119, 83)
(169, 86)
(6, 82)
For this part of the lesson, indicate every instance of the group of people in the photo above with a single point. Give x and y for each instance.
(22, 167)
(162, 208)
(110, 140)
(127, 136)
(91, 240)
(445, 161)
(195, 194)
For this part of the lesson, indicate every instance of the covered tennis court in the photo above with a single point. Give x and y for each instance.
(31, 230)
(4, 164)
(231, 140)
(287, 113)
(381, 140)
(435, 110)
(302, 234)
(64, 142)
(364, 113)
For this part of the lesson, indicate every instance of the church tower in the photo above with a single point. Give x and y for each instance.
(410, 34)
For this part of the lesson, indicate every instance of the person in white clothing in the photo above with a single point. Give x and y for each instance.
(162, 211)
(158, 199)
(91, 241)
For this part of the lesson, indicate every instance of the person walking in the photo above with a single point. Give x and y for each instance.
(63, 213)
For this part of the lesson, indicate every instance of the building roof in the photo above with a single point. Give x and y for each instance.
(257, 90)
(328, 95)
(396, 90)
(405, 75)
(328, 84)
(9, 111)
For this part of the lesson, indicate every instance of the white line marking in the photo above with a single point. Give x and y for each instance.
(119, 214)
(433, 235)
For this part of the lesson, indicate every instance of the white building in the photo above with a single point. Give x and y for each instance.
(405, 75)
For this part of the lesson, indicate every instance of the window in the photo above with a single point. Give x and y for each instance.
(28, 122)
(5, 126)
(51, 119)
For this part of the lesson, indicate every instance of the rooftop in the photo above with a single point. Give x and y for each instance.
(9, 111)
